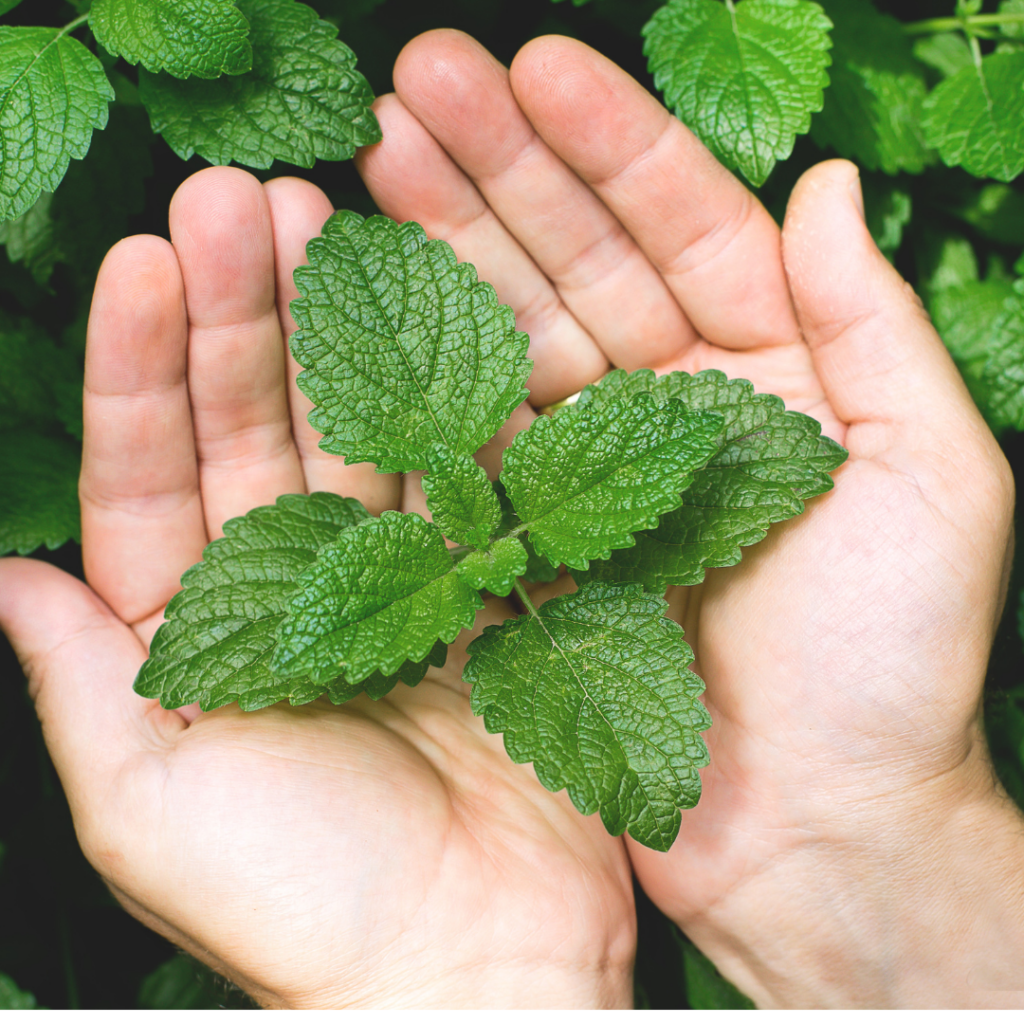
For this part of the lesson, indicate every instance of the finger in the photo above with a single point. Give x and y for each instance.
(222, 233)
(715, 245)
(80, 660)
(412, 178)
(883, 367)
(461, 94)
(298, 211)
(142, 516)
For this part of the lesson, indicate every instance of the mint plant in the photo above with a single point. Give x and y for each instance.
(413, 364)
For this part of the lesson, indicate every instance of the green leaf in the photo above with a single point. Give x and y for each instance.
(888, 210)
(595, 692)
(872, 111)
(1012, 30)
(947, 52)
(1002, 378)
(706, 989)
(975, 119)
(382, 593)
(964, 316)
(770, 461)
(745, 77)
(221, 628)
(584, 481)
(8, 5)
(183, 983)
(303, 101)
(461, 498)
(12, 998)
(495, 569)
(31, 239)
(403, 348)
(996, 212)
(205, 38)
(38, 491)
(53, 93)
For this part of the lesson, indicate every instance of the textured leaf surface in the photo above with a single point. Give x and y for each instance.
(403, 348)
(873, 105)
(585, 480)
(303, 101)
(771, 460)
(745, 77)
(384, 592)
(38, 491)
(496, 569)
(461, 498)
(596, 693)
(221, 628)
(975, 119)
(205, 38)
(1002, 378)
(53, 93)
(965, 316)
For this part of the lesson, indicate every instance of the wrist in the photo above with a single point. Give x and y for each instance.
(922, 904)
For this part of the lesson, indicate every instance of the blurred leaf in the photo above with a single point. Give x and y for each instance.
(183, 983)
(943, 261)
(34, 368)
(1011, 30)
(997, 212)
(12, 998)
(706, 989)
(8, 5)
(888, 210)
(872, 111)
(946, 52)
(31, 239)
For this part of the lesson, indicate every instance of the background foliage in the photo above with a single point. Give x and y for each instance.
(944, 202)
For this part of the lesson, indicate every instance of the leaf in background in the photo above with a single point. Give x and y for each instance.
(770, 461)
(12, 998)
(460, 498)
(8, 5)
(943, 261)
(53, 93)
(964, 316)
(1012, 30)
(403, 348)
(975, 119)
(997, 212)
(382, 593)
(221, 628)
(584, 481)
(595, 692)
(872, 111)
(495, 569)
(706, 989)
(38, 491)
(888, 211)
(205, 38)
(303, 101)
(183, 983)
(745, 77)
(947, 52)
(1002, 377)
(32, 240)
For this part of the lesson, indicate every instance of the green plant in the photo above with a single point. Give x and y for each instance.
(892, 86)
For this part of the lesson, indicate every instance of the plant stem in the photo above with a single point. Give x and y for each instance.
(72, 25)
(932, 25)
(525, 598)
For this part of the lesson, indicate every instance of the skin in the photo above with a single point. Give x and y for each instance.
(851, 848)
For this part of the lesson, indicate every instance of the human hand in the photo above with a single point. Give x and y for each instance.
(852, 847)
(374, 854)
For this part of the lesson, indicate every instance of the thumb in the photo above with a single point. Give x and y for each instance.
(80, 660)
(881, 363)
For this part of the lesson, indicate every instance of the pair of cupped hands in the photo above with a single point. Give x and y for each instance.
(390, 853)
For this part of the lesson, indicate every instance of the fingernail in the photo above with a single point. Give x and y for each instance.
(857, 194)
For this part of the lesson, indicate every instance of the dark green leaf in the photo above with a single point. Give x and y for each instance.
(382, 593)
(745, 77)
(221, 628)
(771, 460)
(596, 693)
(888, 211)
(584, 481)
(12, 998)
(303, 101)
(205, 38)
(53, 93)
(872, 111)
(460, 498)
(403, 347)
(38, 491)
(997, 212)
(706, 989)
